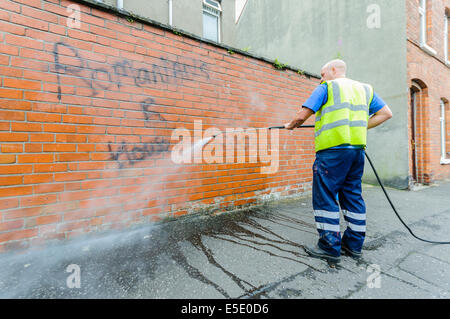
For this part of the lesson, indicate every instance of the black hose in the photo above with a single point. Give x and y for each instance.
(395, 211)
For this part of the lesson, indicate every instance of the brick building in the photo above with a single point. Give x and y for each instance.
(429, 83)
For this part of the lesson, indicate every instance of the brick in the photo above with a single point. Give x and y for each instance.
(33, 148)
(7, 159)
(43, 117)
(19, 62)
(12, 115)
(60, 147)
(10, 71)
(26, 127)
(32, 3)
(8, 203)
(4, 16)
(39, 14)
(38, 178)
(60, 207)
(10, 180)
(62, 177)
(22, 213)
(15, 191)
(10, 6)
(4, 60)
(49, 108)
(42, 137)
(77, 215)
(12, 28)
(23, 42)
(13, 137)
(49, 219)
(70, 157)
(73, 225)
(36, 158)
(57, 29)
(56, 9)
(21, 84)
(29, 22)
(17, 235)
(40, 96)
(86, 148)
(60, 128)
(38, 200)
(15, 169)
(70, 138)
(77, 119)
(45, 168)
(81, 35)
(48, 188)
(10, 225)
(9, 50)
(11, 94)
(5, 126)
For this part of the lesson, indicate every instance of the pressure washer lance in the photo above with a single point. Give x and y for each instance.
(385, 193)
(269, 128)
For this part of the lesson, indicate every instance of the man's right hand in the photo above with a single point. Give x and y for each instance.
(288, 127)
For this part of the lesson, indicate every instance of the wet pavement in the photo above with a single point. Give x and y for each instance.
(256, 253)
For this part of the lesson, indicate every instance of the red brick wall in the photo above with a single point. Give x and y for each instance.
(86, 117)
(434, 75)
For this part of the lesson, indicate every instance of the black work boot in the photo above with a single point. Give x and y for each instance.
(318, 252)
(351, 253)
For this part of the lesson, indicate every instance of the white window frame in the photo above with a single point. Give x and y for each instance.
(214, 8)
(444, 159)
(423, 28)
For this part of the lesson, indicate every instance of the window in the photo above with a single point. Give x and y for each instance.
(211, 20)
(425, 25)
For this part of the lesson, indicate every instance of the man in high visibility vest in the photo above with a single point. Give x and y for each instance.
(345, 109)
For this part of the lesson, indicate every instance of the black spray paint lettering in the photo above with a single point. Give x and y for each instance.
(169, 73)
(105, 78)
(67, 69)
(148, 113)
(130, 153)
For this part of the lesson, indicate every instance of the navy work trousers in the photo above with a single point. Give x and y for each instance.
(337, 177)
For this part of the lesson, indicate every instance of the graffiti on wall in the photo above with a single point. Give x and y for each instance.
(112, 77)
(107, 78)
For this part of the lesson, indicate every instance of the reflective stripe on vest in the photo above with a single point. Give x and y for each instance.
(344, 118)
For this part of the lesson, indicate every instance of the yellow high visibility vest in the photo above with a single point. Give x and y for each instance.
(345, 116)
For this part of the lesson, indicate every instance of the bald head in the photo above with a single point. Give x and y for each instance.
(333, 70)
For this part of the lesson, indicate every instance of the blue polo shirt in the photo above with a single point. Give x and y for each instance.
(319, 97)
